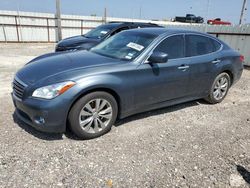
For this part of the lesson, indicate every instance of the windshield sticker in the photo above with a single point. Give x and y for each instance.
(135, 46)
(128, 57)
(104, 32)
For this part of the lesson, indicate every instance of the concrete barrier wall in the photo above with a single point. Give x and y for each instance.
(41, 27)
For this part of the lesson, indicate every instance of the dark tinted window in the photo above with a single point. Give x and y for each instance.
(173, 46)
(119, 30)
(216, 45)
(200, 45)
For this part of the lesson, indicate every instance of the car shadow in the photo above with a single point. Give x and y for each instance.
(244, 173)
(247, 67)
(70, 135)
(34, 132)
(160, 111)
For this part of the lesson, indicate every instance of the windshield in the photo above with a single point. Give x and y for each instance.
(126, 45)
(98, 32)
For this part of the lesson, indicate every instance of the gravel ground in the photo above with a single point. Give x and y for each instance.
(189, 145)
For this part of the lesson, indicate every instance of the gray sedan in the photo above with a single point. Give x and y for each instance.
(131, 72)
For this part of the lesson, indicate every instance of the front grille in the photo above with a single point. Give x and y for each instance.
(18, 88)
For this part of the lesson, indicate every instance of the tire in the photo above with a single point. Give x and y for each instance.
(214, 97)
(88, 118)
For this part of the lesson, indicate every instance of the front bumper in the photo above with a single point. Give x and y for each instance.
(43, 115)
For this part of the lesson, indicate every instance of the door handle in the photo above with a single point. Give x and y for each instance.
(183, 67)
(216, 61)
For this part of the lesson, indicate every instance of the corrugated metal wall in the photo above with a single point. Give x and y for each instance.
(41, 27)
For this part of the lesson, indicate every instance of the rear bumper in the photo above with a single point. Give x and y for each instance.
(237, 74)
(42, 115)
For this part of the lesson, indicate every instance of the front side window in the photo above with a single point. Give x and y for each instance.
(126, 45)
(173, 46)
(200, 45)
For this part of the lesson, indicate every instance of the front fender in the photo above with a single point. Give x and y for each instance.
(122, 87)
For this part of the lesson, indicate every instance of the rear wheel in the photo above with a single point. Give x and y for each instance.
(219, 88)
(93, 115)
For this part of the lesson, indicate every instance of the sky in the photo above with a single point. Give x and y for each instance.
(228, 10)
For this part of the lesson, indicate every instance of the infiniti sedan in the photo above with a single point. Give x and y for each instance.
(97, 35)
(134, 71)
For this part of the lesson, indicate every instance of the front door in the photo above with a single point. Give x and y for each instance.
(161, 82)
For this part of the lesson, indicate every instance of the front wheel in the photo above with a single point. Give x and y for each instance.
(219, 88)
(93, 115)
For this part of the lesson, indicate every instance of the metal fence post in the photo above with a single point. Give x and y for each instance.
(17, 32)
(81, 26)
(4, 33)
(48, 29)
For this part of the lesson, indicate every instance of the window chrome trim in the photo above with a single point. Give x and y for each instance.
(203, 35)
(145, 61)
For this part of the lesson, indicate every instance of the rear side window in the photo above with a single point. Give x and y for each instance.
(216, 45)
(173, 46)
(200, 45)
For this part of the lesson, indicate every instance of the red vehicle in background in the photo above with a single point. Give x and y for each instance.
(218, 21)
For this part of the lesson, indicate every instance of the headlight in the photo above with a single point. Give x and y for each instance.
(52, 91)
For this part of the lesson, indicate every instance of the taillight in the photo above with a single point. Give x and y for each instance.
(242, 58)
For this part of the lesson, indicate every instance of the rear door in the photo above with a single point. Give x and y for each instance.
(160, 82)
(203, 54)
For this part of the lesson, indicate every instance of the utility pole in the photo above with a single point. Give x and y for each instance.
(208, 9)
(243, 11)
(140, 12)
(58, 19)
(105, 15)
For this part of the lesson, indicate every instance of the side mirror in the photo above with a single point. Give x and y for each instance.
(158, 57)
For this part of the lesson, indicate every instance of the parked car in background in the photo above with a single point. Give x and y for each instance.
(133, 71)
(97, 35)
(218, 21)
(189, 18)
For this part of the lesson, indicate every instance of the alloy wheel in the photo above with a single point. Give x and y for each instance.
(95, 115)
(220, 88)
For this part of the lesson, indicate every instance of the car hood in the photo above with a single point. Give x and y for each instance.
(56, 63)
(76, 40)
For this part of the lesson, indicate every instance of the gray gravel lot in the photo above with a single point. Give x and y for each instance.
(189, 145)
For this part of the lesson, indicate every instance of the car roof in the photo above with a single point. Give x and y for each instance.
(167, 31)
(111, 25)
(117, 24)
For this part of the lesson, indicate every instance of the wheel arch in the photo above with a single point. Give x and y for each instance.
(103, 89)
(230, 73)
